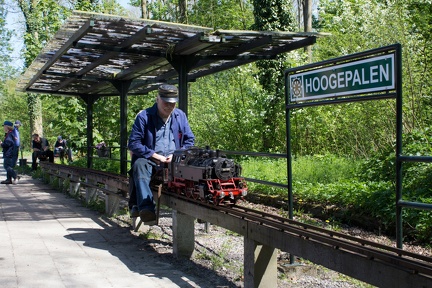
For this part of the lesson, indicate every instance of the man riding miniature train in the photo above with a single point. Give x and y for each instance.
(156, 133)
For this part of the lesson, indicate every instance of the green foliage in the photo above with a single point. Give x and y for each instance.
(42, 20)
(330, 181)
(323, 169)
(65, 116)
(273, 16)
(381, 165)
(243, 109)
(224, 110)
(263, 169)
(226, 14)
(318, 170)
(361, 25)
(13, 106)
(104, 6)
(103, 164)
(6, 69)
(331, 129)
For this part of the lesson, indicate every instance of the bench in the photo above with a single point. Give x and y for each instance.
(115, 187)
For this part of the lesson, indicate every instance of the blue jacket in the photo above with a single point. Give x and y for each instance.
(142, 139)
(16, 135)
(8, 145)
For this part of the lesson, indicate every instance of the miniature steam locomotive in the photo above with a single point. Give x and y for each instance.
(205, 175)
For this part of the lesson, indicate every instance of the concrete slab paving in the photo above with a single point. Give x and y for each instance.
(48, 239)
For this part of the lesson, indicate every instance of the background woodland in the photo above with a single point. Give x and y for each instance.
(243, 109)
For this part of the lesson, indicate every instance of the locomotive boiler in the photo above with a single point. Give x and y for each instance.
(206, 175)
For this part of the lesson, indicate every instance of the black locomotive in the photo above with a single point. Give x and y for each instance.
(206, 175)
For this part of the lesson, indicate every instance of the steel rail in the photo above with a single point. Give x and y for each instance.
(395, 250)
(416, 264)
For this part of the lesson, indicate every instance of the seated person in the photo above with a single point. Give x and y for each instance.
(41, 150)
(60, 148)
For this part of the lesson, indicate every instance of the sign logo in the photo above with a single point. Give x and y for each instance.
(375, 74)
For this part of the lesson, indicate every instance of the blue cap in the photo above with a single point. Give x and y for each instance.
(8, 123)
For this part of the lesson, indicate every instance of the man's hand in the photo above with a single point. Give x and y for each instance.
(161, 159)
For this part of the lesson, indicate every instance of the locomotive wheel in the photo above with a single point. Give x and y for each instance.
(216, 201)
(195, 195)
(188, 193)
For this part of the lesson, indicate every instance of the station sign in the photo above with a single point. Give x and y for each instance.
(364, 76)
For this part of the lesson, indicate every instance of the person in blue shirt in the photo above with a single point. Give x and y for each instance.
(156, 133)
(8, 145)
(16, 135)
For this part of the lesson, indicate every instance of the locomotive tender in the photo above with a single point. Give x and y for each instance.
(205, 175)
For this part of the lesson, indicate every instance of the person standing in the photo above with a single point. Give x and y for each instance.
(16, 135)
(8, 145)
(41, 149)
(156, 133)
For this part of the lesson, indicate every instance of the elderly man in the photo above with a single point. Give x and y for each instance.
(16, 135)
(41, 150)
(156, 133)
(8, 145)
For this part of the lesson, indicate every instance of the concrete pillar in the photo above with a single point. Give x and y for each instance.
(260, 265)
(183, 234)
(61, 179)
(74, 184)
(112, 202)
(90, 194)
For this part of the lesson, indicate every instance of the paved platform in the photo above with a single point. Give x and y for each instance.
(48, 239)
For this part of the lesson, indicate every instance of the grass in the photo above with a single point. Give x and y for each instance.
(330, 181)
(320, 169)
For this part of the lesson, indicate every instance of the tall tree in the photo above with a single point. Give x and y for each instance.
(226, 14)
(143, 7)
(42, 20)
(5, 46)
(273, 15)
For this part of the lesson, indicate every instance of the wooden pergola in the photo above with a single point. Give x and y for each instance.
(96, 55)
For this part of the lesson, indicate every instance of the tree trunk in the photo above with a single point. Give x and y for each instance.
(144, 9)
(307, 20)
(35, 113)
(183, 12)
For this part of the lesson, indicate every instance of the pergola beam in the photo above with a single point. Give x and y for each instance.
(60, 52)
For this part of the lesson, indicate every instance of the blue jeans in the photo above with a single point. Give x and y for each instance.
(142, 172)
(15, 156)
(8, 165)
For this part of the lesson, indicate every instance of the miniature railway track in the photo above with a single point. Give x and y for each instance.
(415, 263)
(402, 260)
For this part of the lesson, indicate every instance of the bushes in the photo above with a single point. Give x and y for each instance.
(360, 192)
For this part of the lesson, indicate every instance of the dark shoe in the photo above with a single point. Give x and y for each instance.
(147, 216)
(6, 182)
(134, 212)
